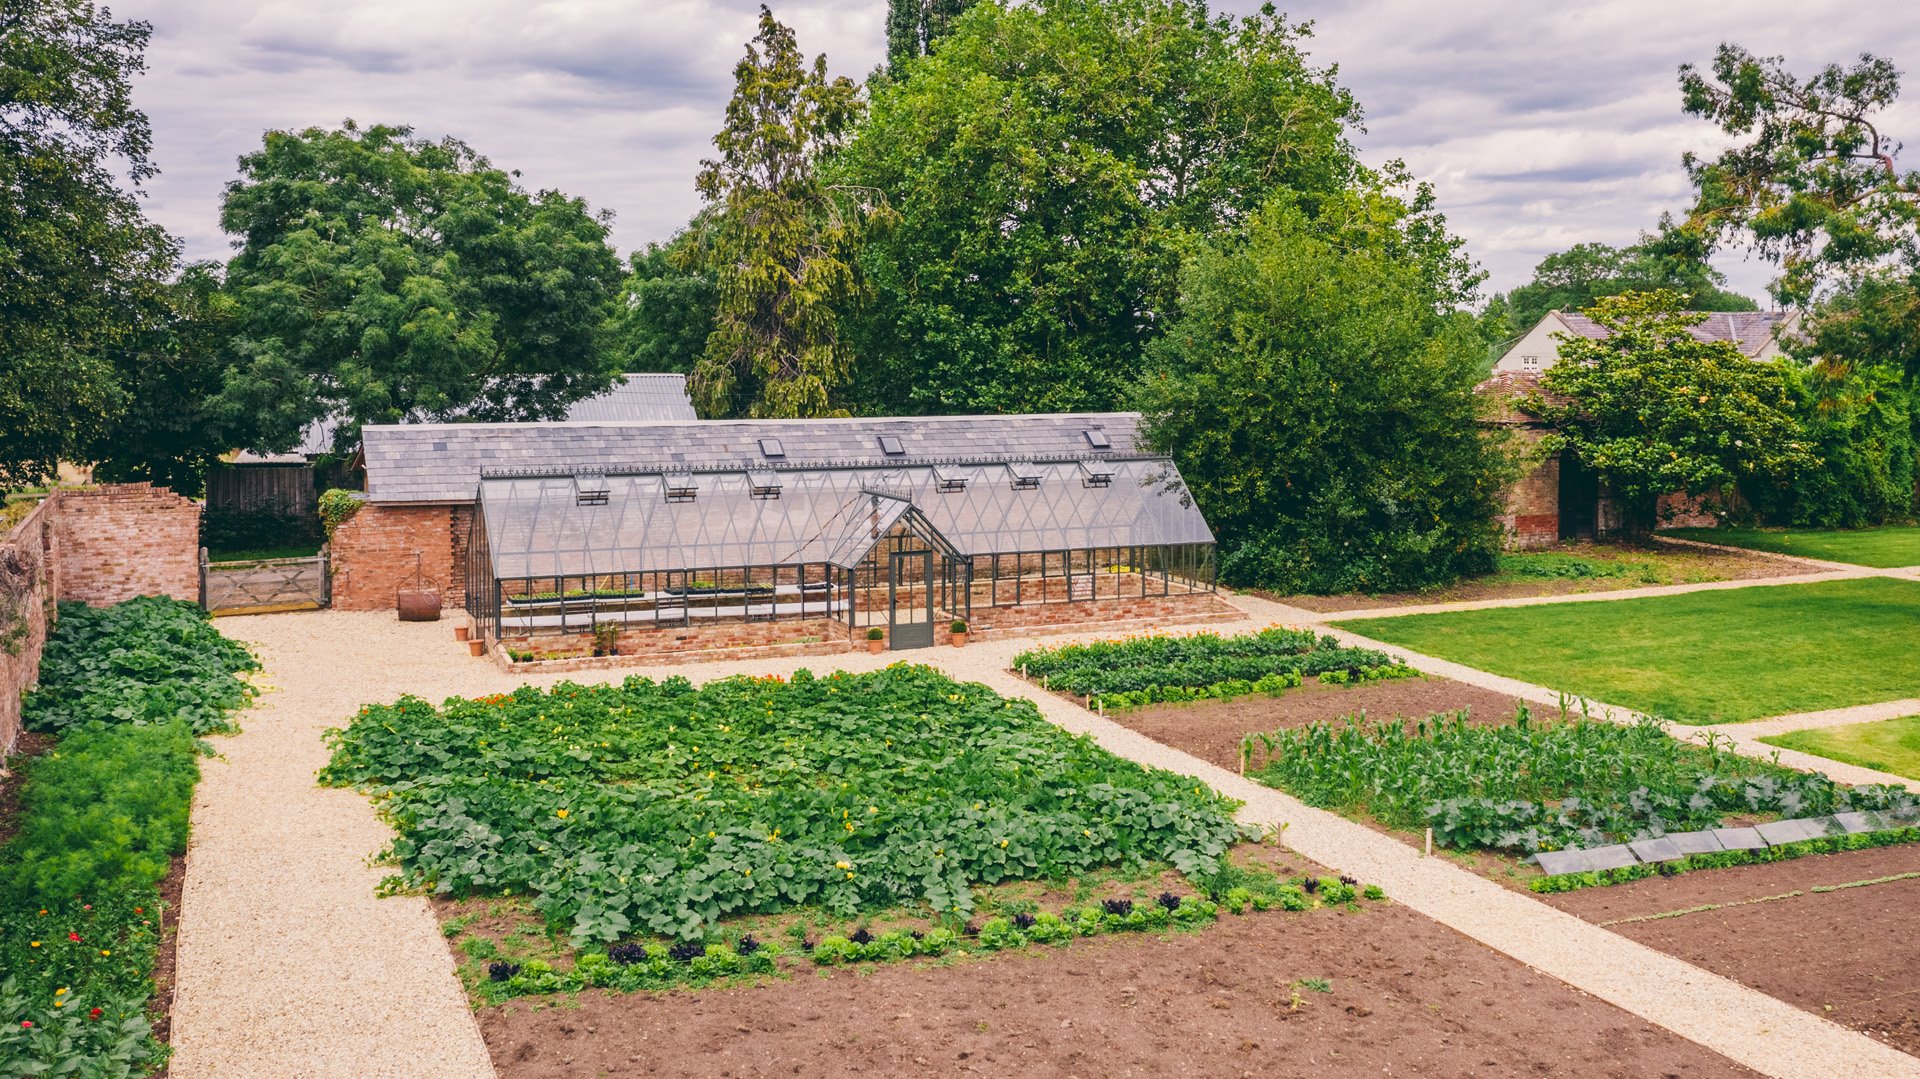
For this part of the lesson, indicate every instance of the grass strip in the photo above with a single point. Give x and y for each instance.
(1701, 909)
(1825, 888)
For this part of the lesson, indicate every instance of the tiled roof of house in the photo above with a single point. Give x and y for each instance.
(443, 462)
(1748, 330)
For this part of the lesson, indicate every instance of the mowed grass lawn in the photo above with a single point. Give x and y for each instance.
(1883, 548)
(1890, 745)
(1703, 657)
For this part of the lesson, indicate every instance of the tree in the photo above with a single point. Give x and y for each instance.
(384, 277)
(783, 238)
(1317, 392)
(1858, 424)
(1573, 279)
(79, 263)
(1051, 164)
(1651, 409)
(666, 307)
(914, 25)
(1813, 183)
(168, 372)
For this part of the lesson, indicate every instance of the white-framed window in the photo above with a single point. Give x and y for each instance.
(1529, 363)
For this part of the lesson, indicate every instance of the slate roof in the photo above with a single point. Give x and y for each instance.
(411, 463)
(1748, 330)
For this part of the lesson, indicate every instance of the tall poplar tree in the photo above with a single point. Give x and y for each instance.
(783, 239)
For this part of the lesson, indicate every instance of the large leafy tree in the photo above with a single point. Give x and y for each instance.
(386, 276)
(80, 265)
(1051, 163)
(1651, 409)
(666, 306)
(783, 238)
(914, 25)
(1317, 391)
(1573, 279)
(1812, 181)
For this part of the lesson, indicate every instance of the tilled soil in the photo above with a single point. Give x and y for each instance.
(1682, 565)
(1849, 955)
(1409, 997)
(1212, 730)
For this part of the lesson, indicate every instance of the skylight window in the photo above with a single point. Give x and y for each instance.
(891, 446)
(770, 447)
(1098, 439)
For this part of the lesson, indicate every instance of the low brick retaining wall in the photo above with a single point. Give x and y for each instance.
(27, 569)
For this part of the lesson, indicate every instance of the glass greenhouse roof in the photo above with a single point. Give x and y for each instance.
(589, 525)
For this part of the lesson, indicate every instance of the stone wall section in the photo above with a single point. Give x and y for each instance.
(373, 554)
(29, 563)
(124, 540)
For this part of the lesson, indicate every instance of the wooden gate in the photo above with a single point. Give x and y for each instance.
(265, 586)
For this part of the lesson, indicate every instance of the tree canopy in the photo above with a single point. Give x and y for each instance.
(81, 268)
(1317, 389)
(1651, 409)
(386, 276)
(914, 25)
(666, 305)
(1573, 279)
(783, 239)
(1051, 163)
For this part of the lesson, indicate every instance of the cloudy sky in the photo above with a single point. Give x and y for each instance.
(1541, 125)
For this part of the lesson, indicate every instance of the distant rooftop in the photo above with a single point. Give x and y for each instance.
(1748, 330)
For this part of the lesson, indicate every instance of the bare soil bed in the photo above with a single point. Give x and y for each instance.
(1408, 997)
(1849, 955)
(1212, 730)
(1676, 565)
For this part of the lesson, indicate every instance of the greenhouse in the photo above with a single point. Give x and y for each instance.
(834, 550)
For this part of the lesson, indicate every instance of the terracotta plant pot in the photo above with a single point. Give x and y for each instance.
(478, 648)
(461, 633)
(418, 605)
(959, 640)
(876, 647)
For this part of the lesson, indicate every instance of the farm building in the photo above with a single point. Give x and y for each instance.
(689, 536)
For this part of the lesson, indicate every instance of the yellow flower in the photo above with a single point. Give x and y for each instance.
(749, 872)
(33, 944)
(843, 865)
(104, 951)
(561, 813)
(1003, 843)
(849, 876)
(60, 991)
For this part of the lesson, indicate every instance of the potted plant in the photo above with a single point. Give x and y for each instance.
(605, 638)
(959, 630)
(476, 646)
(876, 640)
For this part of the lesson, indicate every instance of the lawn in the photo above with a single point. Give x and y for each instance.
(257, 554)
(1703, 657)
(1883, 548)
(1890, 745)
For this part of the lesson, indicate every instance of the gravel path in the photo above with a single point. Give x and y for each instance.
(288, 964)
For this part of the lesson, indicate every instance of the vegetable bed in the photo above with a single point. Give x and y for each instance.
(1204, 666)
(661, 808)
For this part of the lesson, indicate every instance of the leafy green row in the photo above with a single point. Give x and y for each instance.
(1533, 786)
(148, 660)
(1149, 665)
(1571, 882)
(661, 808)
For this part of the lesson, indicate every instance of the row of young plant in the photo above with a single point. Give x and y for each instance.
(1205, 666)
(1836, 844)
(103, 814)
(659, 808)
(1530, 786)
(631, 966)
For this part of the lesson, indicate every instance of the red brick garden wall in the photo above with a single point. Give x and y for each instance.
(373, 554)
(989, 623)
(124, 540)
(737, 640)
(1532, 517)
(28, 567)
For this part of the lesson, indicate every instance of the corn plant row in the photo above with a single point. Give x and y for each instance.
(660, 808)
(636, 966)
(1532, 786)
(1143, 670)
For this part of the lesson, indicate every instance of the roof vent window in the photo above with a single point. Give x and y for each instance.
(1092, 476)
(770, 447)
(591, 489)
(948, 483)
(1025, 477)
(682, 488)
(1098, 439)
(891, 446)
(763, 485)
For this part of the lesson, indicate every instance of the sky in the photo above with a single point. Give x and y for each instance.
(1540, 125)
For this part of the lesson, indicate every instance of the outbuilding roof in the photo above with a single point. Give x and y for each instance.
(415, 463)
(1749, 331)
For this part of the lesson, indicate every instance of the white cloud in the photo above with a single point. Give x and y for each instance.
(1540, 125)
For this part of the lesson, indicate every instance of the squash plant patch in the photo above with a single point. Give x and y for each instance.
(661, 808)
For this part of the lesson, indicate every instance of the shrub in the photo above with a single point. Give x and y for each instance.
(148, 660)
(1859, 425)
(257, 529)
(337, 506)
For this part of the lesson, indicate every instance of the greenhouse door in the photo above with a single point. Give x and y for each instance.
(910, 614)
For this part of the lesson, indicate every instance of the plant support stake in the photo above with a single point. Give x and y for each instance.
(1429, 853)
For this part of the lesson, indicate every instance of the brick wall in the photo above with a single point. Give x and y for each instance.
(1680, 510)
(1139, 612)
(1532, 512)
(124, 540)
(373, 554)
(730, 640)
(28, 569)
